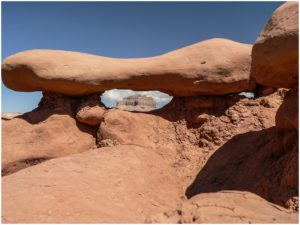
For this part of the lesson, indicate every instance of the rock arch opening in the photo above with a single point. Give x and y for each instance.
(18, 103)
(249, 95)
(135, 100)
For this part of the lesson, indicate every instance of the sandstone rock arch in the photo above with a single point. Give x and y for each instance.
(215, 67)
(227, 140)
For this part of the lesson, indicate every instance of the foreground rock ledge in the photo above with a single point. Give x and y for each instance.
(124, 184)
(214, 67)
(226, 207)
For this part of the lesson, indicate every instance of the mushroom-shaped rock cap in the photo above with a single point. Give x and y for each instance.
(212, 67)
(275, 53)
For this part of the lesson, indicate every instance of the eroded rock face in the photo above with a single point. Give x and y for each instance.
(123, 184)
(206, 143)
(275, 53)
(137, 103)
(287, 119)
(122, 127)
(214, 119)
(226, 207)
(89, 110)
(187, 143)
(56, 136)
(48, 131)
(287, 114)
(247, 162)
(275, 64)
(215, 66)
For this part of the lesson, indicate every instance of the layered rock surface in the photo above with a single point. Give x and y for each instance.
(215, 66)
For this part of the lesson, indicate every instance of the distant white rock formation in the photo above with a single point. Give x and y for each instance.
(137, 103)
(9, 115)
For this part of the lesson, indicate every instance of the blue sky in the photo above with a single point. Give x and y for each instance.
(122, 29)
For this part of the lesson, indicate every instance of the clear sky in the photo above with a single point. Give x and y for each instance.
(122, 29)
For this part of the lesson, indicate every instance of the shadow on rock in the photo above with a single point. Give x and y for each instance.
(58, 104)
(22, 164)
(247, 163)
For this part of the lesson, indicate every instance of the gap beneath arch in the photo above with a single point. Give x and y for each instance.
(112, 97)
(19, 102)
(247, 94)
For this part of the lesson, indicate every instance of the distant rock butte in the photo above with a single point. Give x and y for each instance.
(137, 103)
(215, 67)
(9, 115)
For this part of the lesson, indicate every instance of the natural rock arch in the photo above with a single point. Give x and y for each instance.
(211, 67)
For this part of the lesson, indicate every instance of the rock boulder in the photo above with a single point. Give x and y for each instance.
(90, 110)
(275, 53)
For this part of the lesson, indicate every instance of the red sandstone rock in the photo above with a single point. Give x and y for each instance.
(227, 207)
(275, 53)
(123, 184)
(226, 151)
(90, 115)
(287, 119)
(287, 114)
(215, 66)
(196, 146)
(23, 142)
(48, 131)
(90, 111)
